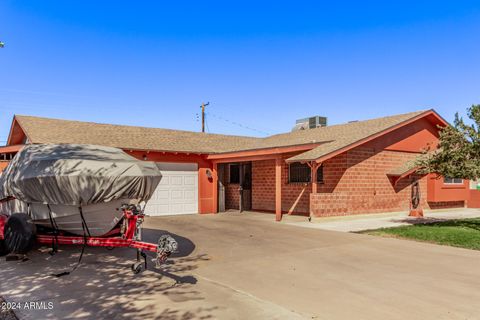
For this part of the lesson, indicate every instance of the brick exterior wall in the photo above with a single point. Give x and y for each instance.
(295, 196)
(446, 204)
(232, 195)
(356, 182)
(263, 185)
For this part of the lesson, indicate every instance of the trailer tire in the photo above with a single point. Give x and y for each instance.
(20, 233)
(3, 248)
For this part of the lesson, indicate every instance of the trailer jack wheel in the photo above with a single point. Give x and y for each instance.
(137, 267)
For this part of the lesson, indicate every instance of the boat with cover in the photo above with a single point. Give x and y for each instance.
(71, 187)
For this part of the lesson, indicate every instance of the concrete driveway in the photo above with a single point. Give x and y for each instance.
(234, 266)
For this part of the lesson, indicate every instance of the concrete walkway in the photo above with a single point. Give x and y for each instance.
(381, 220)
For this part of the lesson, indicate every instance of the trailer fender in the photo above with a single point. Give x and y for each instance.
(3, 247)
(3, 221)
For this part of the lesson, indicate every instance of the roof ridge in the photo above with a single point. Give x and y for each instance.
(356, 122)
(19, 116)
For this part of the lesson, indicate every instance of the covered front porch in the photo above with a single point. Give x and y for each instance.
(265, 183)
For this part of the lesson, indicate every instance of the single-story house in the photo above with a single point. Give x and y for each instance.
(352, 168)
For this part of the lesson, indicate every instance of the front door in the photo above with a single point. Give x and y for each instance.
(245, 188)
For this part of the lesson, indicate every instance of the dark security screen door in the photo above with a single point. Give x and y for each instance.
(245, 186)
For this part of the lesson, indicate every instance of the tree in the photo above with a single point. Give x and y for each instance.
(458, 153)
(2, 44)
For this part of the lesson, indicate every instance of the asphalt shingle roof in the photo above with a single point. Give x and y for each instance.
(403, 169)
(46, 130)
(340, 136)
(330, 138)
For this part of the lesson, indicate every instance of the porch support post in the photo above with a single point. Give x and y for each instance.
(313, 170)
(278, 189)
(215, 187)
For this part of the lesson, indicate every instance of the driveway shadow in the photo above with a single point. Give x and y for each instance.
(103, 286)
(185, 245)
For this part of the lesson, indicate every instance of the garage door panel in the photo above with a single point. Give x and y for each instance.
(189, 181)
(161, 195)
(165, 181)
(190, 195)
(190, 208)
(177, 192)
(176, 180)
(177, 207)
(159, 208)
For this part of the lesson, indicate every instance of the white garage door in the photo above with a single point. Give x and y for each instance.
(177, 192)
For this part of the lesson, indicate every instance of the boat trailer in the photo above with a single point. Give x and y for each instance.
(128, 235)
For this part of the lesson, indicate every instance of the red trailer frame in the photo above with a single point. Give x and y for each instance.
(128, 235)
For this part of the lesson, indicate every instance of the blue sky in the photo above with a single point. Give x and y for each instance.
(260, 64)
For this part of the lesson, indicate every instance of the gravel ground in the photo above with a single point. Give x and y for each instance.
(6, 314)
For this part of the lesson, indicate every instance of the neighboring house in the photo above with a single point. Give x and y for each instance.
(352, 168)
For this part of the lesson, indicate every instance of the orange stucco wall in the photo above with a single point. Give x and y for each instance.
(3, 165)
(412, 138)
(438, 191)
(474, 199)
(205, 185)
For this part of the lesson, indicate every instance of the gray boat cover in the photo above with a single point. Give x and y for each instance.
(74, 174)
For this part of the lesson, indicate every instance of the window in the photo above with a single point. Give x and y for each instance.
(234, 173)
(320, 174)
(301, 173)
(453, 181)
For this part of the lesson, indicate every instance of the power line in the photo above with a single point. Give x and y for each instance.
(238, 124)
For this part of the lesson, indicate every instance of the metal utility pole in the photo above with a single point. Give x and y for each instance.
(203, 115)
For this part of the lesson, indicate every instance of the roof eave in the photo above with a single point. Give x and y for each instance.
(350, 146)
(264, 151)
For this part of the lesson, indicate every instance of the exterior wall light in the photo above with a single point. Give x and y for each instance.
(209, 174)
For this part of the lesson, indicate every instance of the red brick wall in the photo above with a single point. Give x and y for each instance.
(263, 185)
(329, 204)
(446, 204)
(356, 182)
(232, 195)
(295, 197)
